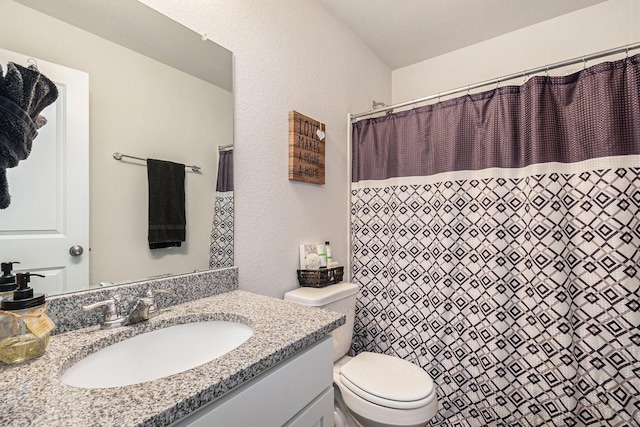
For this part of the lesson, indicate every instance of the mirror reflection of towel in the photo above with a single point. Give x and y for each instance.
(167, 220)
(24, 93)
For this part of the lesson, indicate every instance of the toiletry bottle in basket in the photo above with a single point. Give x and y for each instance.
(322, 254)
(327, 251)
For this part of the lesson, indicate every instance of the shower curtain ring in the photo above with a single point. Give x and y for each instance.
(584, 63)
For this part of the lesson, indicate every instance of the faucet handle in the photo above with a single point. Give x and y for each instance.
(153, 308)
(111, 311)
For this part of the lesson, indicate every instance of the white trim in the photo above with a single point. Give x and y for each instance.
(613, 162)
(225, 194)
(347, 273)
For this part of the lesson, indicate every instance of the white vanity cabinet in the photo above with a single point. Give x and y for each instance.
(298, 392)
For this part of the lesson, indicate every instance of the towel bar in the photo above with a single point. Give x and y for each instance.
(119, 156)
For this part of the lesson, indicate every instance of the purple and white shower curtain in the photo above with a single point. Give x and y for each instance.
(221, 248)
(496, 240)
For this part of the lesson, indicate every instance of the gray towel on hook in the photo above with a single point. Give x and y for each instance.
(167, 220)
(24, 93)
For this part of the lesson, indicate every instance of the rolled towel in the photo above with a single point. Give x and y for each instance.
(312, 262)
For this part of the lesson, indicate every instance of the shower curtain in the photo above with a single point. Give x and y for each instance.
(221, 248)
(496, 240)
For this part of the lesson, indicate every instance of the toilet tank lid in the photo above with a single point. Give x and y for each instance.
(318, 297)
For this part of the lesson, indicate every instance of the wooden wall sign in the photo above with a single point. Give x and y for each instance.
(306, 149)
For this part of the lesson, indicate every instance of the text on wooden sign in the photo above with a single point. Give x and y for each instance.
(306, 149)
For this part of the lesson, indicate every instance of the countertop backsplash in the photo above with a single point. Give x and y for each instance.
(66, 310)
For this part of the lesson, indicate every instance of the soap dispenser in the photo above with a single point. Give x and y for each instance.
(24, 327)
(7, 280)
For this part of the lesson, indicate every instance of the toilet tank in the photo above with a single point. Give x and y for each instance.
(341, 298)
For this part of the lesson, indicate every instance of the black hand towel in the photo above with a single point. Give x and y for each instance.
(167, 220)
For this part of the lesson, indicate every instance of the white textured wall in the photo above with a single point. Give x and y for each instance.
(596, 28)
(289, 55)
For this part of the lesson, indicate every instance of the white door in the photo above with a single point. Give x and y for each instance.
(49, 210)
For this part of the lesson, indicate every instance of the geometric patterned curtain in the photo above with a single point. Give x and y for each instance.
(496, 242)
(221, 248)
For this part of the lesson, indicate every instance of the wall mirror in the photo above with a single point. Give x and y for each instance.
(152, 89)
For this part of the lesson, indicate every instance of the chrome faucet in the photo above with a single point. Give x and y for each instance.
(144, 309)
(112, 318)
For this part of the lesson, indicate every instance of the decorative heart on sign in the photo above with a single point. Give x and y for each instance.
(320, 134)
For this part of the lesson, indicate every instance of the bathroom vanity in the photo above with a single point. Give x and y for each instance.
(282, 375)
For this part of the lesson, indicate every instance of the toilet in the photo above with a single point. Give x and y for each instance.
(377, 390)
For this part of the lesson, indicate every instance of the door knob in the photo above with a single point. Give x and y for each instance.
(76, 250)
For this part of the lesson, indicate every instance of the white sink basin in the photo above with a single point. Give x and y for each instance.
(157, 354)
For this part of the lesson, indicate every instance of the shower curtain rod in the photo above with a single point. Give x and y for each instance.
(497, 81)
(119, 156)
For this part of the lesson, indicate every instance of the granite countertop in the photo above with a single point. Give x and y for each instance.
(32, 394)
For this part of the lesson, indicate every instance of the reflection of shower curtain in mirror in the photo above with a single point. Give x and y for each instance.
(496, 241)
(221, 249)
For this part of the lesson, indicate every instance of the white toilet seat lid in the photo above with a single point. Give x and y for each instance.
(388, 381)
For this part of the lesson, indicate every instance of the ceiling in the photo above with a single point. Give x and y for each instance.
(405, 32)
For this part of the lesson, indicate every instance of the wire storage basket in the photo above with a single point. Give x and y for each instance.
(320, 278)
